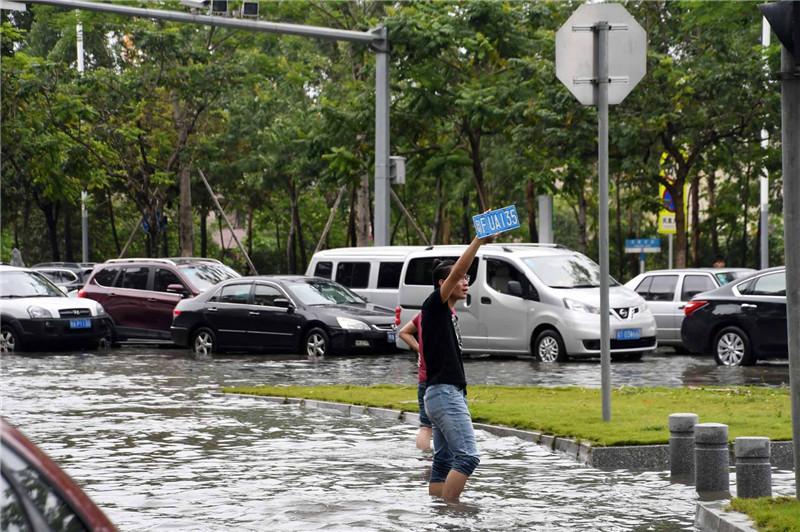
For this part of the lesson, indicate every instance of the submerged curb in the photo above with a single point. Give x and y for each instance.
(634, 457)
(712, 517)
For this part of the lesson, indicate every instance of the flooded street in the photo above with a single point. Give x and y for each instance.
(143, 431)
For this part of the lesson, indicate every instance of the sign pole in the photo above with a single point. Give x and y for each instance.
(669, 254)
(601, 34)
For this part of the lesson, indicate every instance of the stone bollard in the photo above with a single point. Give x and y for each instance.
(753, 469)
(711, 460)
(681, 445)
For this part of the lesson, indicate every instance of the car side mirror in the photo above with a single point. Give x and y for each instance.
(176, 288)
(515, 288)
(283, 303)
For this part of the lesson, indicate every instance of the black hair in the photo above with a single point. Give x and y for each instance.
(441, 269)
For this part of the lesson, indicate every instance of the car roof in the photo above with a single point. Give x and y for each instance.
(278, 278)
(5, 268)
(515, 249)
(173, 261)
(375, 252)
(698, 270)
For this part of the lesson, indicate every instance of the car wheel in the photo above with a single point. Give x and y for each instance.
(732, 348)
(317, 343)
(204, 342)
(9, 340)
(549, 347)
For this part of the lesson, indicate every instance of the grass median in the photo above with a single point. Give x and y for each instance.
(771, 515)
(639, 415)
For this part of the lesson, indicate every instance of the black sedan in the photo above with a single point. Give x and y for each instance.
(294, 313)
(740, 322)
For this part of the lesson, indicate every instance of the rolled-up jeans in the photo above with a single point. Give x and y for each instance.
(453, 436)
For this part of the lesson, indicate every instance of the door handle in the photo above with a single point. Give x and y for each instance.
(112, 294)
(254, 313)
(749, 305)
(152, 299)
(681, 307)
(212, 309)
(486, 301)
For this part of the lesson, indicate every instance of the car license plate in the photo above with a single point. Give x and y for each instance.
(629, 334)
(497, 221)
(391, 337)
(80, 324)
(362, 343)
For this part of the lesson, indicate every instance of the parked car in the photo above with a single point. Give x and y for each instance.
(36, 313)
(292, 313)
(533, 299)
(39, 495)
(139, 294)
(667, 291)
(740, 322)
(61, 277)
(81, 269)
(371, 272)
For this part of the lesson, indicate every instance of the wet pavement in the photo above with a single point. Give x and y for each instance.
(144, 433)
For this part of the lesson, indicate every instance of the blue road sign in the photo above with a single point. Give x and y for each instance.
(497, 221)
(642, 245)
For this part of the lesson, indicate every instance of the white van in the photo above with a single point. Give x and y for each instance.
(533, 299)
(371, 272)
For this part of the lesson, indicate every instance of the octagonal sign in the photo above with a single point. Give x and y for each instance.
(575, 52)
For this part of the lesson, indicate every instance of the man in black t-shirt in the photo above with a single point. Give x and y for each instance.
(455, 452)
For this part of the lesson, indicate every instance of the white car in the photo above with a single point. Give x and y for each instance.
(36, 313)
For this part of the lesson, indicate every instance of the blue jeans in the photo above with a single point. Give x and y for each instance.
(453, 436)
(424, 421)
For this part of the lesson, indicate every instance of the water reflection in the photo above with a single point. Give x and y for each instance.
(144, 433)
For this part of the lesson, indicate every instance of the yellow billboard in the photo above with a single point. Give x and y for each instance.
(666, 215)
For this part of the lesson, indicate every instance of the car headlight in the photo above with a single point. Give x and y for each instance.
(643, 307)
(580, 306)
(39, 312)
(350, 323)
(100, 310)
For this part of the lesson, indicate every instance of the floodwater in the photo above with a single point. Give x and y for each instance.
(147, 436)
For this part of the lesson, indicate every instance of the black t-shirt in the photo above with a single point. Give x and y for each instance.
(442, 340)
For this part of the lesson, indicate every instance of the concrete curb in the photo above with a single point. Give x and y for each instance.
(633, 457)
(712, 517)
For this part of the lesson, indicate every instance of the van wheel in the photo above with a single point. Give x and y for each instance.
(9, 340)
(317, 343)
(204, 342)
(732, 348)
(549, 347)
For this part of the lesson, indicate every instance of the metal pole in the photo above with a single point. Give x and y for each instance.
(669, 257)
(84, 227)
(601, 33)
(79, 43)
(764, 200)
(790, 138)
(546, 219)
(382, 205)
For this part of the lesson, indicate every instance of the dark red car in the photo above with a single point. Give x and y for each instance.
(139, 294)
(38, 495)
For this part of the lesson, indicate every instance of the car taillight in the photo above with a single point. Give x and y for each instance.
(397, 311)
(175, 313)
(693, 306)
(81, 293)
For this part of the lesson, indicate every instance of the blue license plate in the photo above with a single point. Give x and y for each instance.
(497, 221)
(629, 334)
(80, 324)
(390, 337)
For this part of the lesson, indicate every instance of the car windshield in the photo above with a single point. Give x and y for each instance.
(727, 277)
(566, 271)
(27, 284)
(323, 293)
(204, 275)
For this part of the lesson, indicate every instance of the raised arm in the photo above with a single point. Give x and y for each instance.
(460, 268)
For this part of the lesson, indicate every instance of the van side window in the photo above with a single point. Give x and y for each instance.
(353, 274)
(323, 269)
(389, 274)
(420, 271)
(499, 273)
(134, 277)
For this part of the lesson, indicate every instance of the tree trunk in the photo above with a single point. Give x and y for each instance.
(465, 225)
(250, 230)
(351, 219)
(112, 220)
(437, 219)
(477, 168)
(712, 214)
(362, 212)
(745, 202)
(186, 228)
(68, 251)
(676, 190)
(583, 240)
(50, 212)
(695, 238)
(301, 242)
(530, 201)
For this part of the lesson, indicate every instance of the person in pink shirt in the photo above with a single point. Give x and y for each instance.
(411, 334)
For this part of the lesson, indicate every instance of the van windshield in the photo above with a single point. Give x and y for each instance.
(566, 271)
(323, 293)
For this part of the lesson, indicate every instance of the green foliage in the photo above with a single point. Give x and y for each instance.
(779, 514)
(640, 415)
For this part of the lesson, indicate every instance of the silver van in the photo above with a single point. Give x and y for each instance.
(371, 272)
(533, 299)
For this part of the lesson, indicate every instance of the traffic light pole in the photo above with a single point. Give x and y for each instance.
(790, 138)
